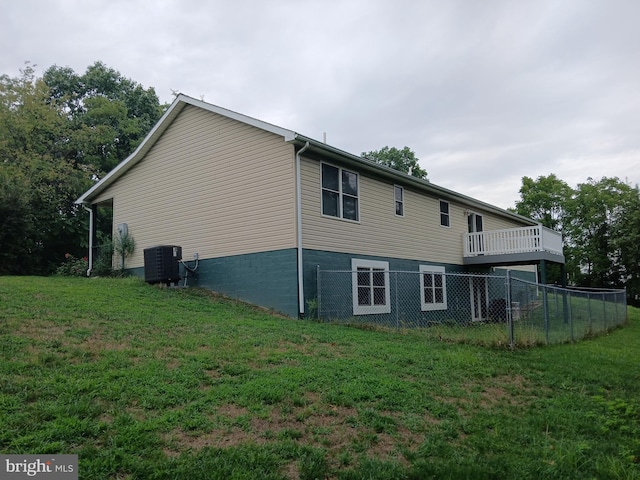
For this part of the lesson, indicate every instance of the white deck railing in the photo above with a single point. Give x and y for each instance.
(513, 240)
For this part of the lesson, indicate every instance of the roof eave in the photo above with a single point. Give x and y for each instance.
(404, 179)
(146, 144)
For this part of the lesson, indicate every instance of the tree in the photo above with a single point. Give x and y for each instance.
(544, 200)
(39, 185)
(58, 134)
(600, 223)
(593, 220)
(109, 114)
(625, 240)
(402, 160)
(16, 221)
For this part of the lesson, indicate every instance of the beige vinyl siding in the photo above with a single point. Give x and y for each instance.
(492, 222)
(212, 185)
(417, 235)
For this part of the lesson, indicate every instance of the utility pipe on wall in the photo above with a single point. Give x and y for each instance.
(299, 231)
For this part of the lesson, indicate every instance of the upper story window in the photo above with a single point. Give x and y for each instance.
(339, 193)
(398, 193)
(444, 214)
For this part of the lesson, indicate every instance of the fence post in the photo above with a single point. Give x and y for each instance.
(395, 306)
(589, 310)
(509, 313)
(545, 306)
(319, 290)
(570, 317)
(604, 311)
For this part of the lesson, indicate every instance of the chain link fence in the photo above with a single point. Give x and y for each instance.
(484, 309)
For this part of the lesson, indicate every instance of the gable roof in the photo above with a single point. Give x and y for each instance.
(321, 149)
(159, 128)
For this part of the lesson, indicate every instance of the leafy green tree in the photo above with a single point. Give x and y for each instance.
(402, 160)
(626, 243)
(544, 200)
(39, 185)
(109, 114)
(16, 221)
(600, 223)
(593, 220)
(58, 134)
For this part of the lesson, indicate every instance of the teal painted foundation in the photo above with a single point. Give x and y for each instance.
(267, 279)
(404, 290)
(342, 262)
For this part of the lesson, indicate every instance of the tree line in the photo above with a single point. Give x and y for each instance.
(61, 132)
(600, 224)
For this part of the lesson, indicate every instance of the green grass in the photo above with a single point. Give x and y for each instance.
(143, 382)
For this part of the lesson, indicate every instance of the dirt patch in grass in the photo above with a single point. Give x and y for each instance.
(42, 330)
(232, 411)
(505, 390)
(516, 391)
(336, 429)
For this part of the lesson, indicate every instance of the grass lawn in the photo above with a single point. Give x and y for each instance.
(150, 383)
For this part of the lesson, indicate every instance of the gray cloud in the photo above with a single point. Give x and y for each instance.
(483, 92)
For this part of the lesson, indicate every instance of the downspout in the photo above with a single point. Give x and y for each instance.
(299, 231)
(90, 256)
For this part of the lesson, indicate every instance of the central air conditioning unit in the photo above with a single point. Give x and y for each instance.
(161, 264)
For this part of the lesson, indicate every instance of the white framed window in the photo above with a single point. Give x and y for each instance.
(445, 218)
(398, 194)
(433, 288)
(340, 193)
(370, 286)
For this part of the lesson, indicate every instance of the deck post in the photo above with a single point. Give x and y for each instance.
(543, 272)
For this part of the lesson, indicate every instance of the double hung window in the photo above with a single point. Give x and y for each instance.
(444, 214)
(398, 193)
(339, 193)
(370, 287)
(433, 288)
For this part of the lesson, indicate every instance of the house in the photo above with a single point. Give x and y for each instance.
(263, 207)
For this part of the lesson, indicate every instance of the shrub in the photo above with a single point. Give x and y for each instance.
(73, 267)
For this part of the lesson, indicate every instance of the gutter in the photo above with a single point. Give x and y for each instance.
(299, 231)
(333, 153)
(90, 256)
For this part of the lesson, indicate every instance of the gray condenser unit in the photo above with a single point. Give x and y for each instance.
(161, 264)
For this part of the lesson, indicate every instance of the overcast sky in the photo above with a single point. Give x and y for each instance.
(484, 92)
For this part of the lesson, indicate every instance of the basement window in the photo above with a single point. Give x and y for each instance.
(433, 288)
(370, 287)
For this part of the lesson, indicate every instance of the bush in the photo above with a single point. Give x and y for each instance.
(73, 267)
